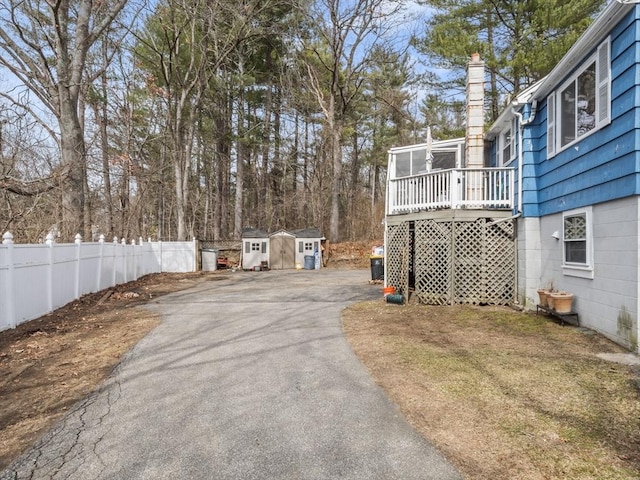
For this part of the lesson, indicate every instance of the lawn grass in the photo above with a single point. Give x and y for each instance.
(504, 394)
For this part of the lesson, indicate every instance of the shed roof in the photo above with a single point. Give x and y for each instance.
(311, 232)
(249, 232)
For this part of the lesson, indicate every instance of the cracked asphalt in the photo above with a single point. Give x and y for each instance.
(247, 377)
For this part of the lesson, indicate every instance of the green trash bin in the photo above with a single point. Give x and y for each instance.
(377, 267)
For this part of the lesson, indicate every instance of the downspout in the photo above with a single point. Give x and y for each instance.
(521, 124)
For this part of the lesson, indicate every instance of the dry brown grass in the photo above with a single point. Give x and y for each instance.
(504, 394)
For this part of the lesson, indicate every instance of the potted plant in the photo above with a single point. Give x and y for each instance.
(543, 294)
(562, 301)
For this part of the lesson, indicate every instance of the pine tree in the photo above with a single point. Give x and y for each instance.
(520, 41)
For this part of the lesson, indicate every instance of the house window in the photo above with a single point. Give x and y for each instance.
(255, 247)
(578, 243)
(308, 247)
(578, 106)
(507, 146)
(582, 104)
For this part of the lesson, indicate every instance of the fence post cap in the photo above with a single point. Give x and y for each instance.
(78, 238)
(115, 239)
(124, 241)
(7, 238)
(101, 239)
(49, 239)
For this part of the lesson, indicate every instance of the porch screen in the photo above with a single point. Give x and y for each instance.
(411, 163)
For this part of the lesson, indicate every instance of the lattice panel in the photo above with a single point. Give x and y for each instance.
(397, 257)
(455, 261)
(469, 263)
(501, 263)
(432, 262)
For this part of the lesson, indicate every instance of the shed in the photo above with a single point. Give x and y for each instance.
(308, 243)
(255, 248)
(282, 250)
(288, 249)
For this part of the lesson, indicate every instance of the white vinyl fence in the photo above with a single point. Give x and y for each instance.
(35, 279)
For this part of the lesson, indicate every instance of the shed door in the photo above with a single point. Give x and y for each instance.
(282, 252)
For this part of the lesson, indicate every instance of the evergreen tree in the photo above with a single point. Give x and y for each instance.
(520, 41)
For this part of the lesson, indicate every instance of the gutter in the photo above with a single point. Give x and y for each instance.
(521, 124)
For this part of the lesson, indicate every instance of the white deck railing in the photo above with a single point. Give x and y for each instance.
(450, 189)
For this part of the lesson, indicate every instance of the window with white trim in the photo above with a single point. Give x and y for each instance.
(577, 241)
(411, 163)
(507, 144)
(304, 246)
(581, 105)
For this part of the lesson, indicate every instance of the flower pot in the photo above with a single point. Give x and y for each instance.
(550, 300)
(543, 295)
(562, 301)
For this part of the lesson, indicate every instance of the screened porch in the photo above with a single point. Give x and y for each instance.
(432, 177)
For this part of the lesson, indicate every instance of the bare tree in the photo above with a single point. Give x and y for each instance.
(346, 32)
(27, 178)
(44, 44)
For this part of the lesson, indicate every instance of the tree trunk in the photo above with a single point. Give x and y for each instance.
(265, 194)
(102, 116)
(493, 80)
(335, 132)
(354, 187)
(73, 158)
(241, 158)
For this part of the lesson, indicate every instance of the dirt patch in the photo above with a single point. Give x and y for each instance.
(503, 394)
(351, 254)
(48, 364)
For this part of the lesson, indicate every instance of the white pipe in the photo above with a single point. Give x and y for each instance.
(505, 219)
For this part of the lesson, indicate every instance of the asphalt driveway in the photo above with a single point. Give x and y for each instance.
(247, 377)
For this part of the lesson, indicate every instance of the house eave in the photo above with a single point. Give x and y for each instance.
(596, 32)
(507, 114)
(601, 27)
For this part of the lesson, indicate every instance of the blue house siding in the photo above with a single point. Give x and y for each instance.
(533, 148)
(602, 166)
(597, 176)
(493, 157)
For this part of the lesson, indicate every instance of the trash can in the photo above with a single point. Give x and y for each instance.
(377, 267)
(209, 260)
(309, 262)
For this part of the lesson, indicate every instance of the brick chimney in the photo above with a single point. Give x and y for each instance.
(474, 137)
